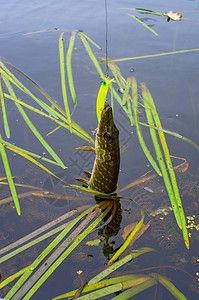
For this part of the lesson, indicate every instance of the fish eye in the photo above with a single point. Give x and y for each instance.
(104, 83)
(108, 136)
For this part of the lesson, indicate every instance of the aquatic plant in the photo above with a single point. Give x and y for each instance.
(129, 285)
(94, 215)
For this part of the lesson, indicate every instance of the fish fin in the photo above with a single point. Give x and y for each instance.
(88, 174)
(82, 180)
(86, 148)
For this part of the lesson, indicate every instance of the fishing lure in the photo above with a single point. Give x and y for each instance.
(101, 97)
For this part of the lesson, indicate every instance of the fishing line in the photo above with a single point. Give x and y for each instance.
(106, 37)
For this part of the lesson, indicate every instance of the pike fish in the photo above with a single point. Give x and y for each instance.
(105, 171)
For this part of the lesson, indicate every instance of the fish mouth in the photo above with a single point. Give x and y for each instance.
(106, 120)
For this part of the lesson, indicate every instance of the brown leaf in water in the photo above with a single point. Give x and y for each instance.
(175, 16)
(129, 228)
(182, 167)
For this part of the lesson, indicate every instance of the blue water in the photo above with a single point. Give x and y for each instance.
(29, 34)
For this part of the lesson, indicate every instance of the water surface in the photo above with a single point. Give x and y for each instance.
(29, 33)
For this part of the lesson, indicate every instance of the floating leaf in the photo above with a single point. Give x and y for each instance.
(182, 167)
(129, 228)
(175, 16)
(93, 243)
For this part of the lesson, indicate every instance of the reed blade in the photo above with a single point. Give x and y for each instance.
(176, 200)
(128, 240)
(7, 144)
(118, 264)
(169, 286)
(34, 161)
(150, 55)
(69, 68)
(126, 280)
(46, 252)
(76, 128)
(63, 78)
(89, 39)
(138, 130)
(58, 261)
(145, 25)
(126, 91)
(136, 290)
(4, 111)
(9, 177)
(92, 55)
(6, 73)
(32, 127)
(177, 135)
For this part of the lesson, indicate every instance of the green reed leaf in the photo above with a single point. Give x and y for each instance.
(126, 280)
(169, 286)
(32, 243)
(89, 39)
(128, 239)
(147, 11)
(118, 264)
(150, 55)
(12, 277)
(33, 161)
(58, 261)
(63, 77)
(69, 68)
(4, 112)
(13, 79)
(136, 290)
(46, 252)
(54, 103)
(76, 128)
(102, 292)
(5, 143)
(178, 203)
(126, 91)
(138, 130)
(140, 21)
(32, 127)
(9, 177)
(177, 135)
(117, 75)
(160, 157)
(91, 54)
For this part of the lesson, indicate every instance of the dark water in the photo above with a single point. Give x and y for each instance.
(173, 82)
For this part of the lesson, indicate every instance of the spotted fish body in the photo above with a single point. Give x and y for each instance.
(105, 171)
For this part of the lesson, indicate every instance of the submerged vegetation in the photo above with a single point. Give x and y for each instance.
(74, 231)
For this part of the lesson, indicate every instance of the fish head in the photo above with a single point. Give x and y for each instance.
(107, 132)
